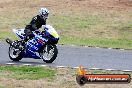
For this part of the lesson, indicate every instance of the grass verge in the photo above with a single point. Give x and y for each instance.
(40, 77)
(98, 42)
(26, 72)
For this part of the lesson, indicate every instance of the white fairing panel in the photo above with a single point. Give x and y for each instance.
(19, 32)
(52, 31)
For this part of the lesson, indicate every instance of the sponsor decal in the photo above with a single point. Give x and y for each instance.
(83, 78)
(29, 44)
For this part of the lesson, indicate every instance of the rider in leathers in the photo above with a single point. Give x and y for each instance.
(36, 23)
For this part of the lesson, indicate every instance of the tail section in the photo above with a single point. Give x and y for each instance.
(14, 44)
(19, 32)
(9, 41)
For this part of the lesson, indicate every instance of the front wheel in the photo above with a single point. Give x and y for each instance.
(49, 53)
(15, 54)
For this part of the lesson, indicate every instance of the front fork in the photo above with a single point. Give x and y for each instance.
(42, 48)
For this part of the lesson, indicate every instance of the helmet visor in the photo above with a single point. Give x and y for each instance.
(45, 16)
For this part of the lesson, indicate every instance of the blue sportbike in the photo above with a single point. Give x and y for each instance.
(42, 46)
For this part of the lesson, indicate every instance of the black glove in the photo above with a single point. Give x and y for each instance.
(29, 26)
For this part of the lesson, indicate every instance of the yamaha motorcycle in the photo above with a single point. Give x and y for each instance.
(42, 46)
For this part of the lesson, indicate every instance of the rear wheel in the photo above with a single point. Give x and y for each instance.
(15, 54)
(49, 53)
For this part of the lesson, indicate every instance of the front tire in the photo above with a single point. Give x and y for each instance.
(49, 53)
(14, 54)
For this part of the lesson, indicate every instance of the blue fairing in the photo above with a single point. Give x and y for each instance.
(32, 48)
(47, 33)
(31, 54)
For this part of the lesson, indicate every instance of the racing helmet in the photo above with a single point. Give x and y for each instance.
(43, 12)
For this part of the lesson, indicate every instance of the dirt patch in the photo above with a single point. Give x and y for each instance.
(67, 4)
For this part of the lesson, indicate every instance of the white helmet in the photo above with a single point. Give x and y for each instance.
(43, 12)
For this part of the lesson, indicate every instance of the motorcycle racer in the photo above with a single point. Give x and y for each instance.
(33, 43)
(36, 23)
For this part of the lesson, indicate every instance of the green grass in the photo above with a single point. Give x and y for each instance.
(74, 22)
(93, 30)
(2, 87)
(26, 72)
(4, 35)
(126, 44)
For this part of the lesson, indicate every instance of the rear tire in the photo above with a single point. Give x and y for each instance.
(13, 54)
(54, 52)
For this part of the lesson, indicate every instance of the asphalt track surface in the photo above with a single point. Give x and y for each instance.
(73, 56)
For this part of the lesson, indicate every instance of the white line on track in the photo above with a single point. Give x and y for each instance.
(70, 67)
(10, 63)
(27, 64)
